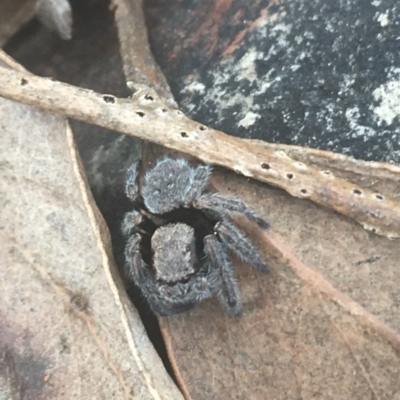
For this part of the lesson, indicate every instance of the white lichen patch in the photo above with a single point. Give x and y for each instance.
(383, 19)
(246, 66)
(281, 31)
(195, 86)
(346, 84)
(358, 130)
(389, 96)
(249, 119)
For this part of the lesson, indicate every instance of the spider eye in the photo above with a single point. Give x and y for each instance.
(187, 249)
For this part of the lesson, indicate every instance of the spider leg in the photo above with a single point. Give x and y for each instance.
(163, 299)
(225, 285)
(223, 205)
(131, 222)
(132, 182)
(140, 273)
(236, 241)
(135, 268)
(200, 178)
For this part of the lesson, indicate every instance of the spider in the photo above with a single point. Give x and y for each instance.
(179, 237)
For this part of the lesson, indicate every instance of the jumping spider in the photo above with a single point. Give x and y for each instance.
(179, 236)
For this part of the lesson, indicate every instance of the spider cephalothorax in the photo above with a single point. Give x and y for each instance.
(180, 236)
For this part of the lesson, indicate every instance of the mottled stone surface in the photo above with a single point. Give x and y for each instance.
(314, 73)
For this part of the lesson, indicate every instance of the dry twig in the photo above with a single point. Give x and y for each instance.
(141, 71)
(142, 118)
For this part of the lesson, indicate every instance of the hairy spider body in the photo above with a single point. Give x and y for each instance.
(180, 235)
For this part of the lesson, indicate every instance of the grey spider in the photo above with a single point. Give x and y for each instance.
(179, 236)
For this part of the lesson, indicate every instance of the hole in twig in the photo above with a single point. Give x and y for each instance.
(164, 110)
(327, 172)
(184, 134)
(109, 99)
(23, 82)
(265, 166)
(148, 97)
(202, 128)
(289, 176)
(378, 196)
(357, 192)
(141, 114)
(79, 302)
(303, 191)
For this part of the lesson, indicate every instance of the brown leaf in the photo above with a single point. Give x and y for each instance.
(67, 329)
(324, 324)
(13, 15)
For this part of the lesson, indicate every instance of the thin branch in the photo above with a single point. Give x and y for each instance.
(141, 118)
(6, 60)
(139, 66)
(343, 161)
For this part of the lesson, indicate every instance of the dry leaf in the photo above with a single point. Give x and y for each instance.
(13, 15)
(67, 329)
